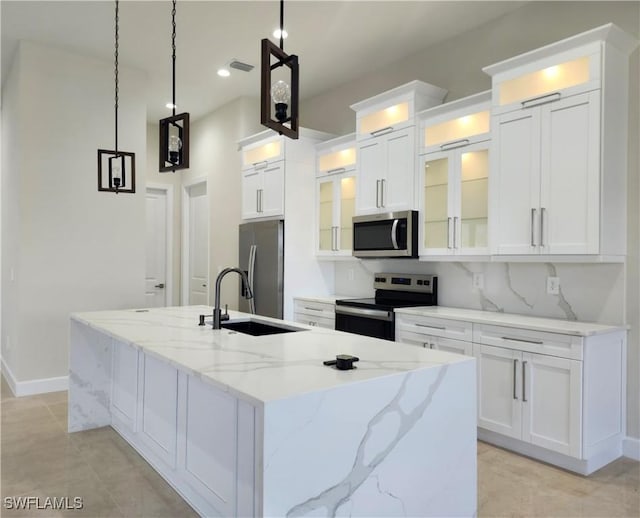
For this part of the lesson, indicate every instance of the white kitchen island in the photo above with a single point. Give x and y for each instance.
(246, 425)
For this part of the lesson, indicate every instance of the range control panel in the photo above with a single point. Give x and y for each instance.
(405, 282)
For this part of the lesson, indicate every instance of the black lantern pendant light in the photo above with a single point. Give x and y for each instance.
(116, 163)
(174, 130)
(282, 96)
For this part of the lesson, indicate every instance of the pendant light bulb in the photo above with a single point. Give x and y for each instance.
(175, 145)
(281, 96)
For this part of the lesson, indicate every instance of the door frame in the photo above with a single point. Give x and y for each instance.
(186, 205)
(168, 189)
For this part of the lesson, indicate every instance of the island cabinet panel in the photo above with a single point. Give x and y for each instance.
(124, 386)
(210, 449)
(158, 408)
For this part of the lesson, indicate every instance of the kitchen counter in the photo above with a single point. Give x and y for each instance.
(247, 425)
(550, 325)
(258, 369)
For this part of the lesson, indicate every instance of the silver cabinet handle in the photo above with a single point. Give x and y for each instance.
(378, 193)
(524, 383)
(382, 192)
(260, 165)
(542, 211)
(336, 170)
(257, 200)
(261, 200)
(515, 372)
(455, 144)
(449, 233)
(430, 327)
(312, 309)
(335, 239)
(537, 342)
(272, 169)
(533, 217)
(382, 131)
(543, 99)
(455, 224)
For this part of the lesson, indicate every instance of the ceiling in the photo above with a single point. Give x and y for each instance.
(336, 41)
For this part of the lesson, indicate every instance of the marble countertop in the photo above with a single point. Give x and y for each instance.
(331, 299)
(551, 325)
(259, 368)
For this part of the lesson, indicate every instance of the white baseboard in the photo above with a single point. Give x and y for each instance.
(631, 448)
(32, 387)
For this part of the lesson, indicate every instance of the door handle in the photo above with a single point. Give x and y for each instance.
(394, 234)
(455, 224)
(515, 372)
(543, 99)
(449, 233)
(257, 200)
(161, 285)
(382, 131)
(542, 211)
(533, 217)
(382, 192)
(377, 193)
(524, 383)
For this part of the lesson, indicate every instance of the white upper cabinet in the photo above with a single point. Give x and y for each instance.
(559, 147)
(386, 146)
(263, 178)
(453, 177)
(335, 196)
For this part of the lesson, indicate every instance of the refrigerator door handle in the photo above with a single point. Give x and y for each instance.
(252, 265)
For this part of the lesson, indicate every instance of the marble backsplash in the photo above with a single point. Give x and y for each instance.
(588, 292)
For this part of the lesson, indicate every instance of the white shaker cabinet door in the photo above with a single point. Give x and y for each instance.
(552, 403)
(499, 407)
(272, 202)
(124, 383)
(396, 189)
(158, 428)
(251, 192)
(570, 190)
(517, 172)
(371, 170)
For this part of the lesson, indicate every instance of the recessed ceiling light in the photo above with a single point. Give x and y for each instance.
(223, 72)
(276, 34)
(171, 106)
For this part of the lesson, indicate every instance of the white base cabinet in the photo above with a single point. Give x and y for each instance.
(314, 313)
(558, 397)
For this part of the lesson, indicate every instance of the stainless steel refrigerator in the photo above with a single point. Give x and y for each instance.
(261, 256)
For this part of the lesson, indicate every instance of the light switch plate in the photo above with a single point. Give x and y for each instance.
(478, 281)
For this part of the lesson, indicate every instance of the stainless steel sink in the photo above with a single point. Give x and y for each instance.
(256, 327)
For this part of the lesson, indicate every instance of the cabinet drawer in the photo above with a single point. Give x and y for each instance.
(312, 320)
(435, 327)
(314, 309)
(552, 344)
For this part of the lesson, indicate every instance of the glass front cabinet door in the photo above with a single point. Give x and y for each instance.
(336, 196)
(454, 178)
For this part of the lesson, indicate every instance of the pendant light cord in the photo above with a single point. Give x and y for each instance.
(173, 56)
(281, 24)
(116, 70)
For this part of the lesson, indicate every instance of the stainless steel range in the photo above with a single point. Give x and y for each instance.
(375, 317)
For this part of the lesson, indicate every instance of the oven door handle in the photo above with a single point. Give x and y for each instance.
(376, 314)
(394, 234)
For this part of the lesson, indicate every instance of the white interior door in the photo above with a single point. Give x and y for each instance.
(156, 248)
(198, 245)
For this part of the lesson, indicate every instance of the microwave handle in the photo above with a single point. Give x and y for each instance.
(394, 234)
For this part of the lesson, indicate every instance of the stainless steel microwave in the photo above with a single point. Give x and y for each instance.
(391, 234)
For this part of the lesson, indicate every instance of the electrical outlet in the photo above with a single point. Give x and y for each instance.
(478, 281)
(553, 285)
(350, 274)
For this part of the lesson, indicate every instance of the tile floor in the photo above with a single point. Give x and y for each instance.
(39, 458)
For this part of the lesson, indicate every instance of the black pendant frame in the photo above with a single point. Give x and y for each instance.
(106, 181)
(181, 122)
(283, 59)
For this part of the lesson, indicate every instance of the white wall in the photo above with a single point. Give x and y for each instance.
(214, 155)
(456, 64)
(71, 247)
